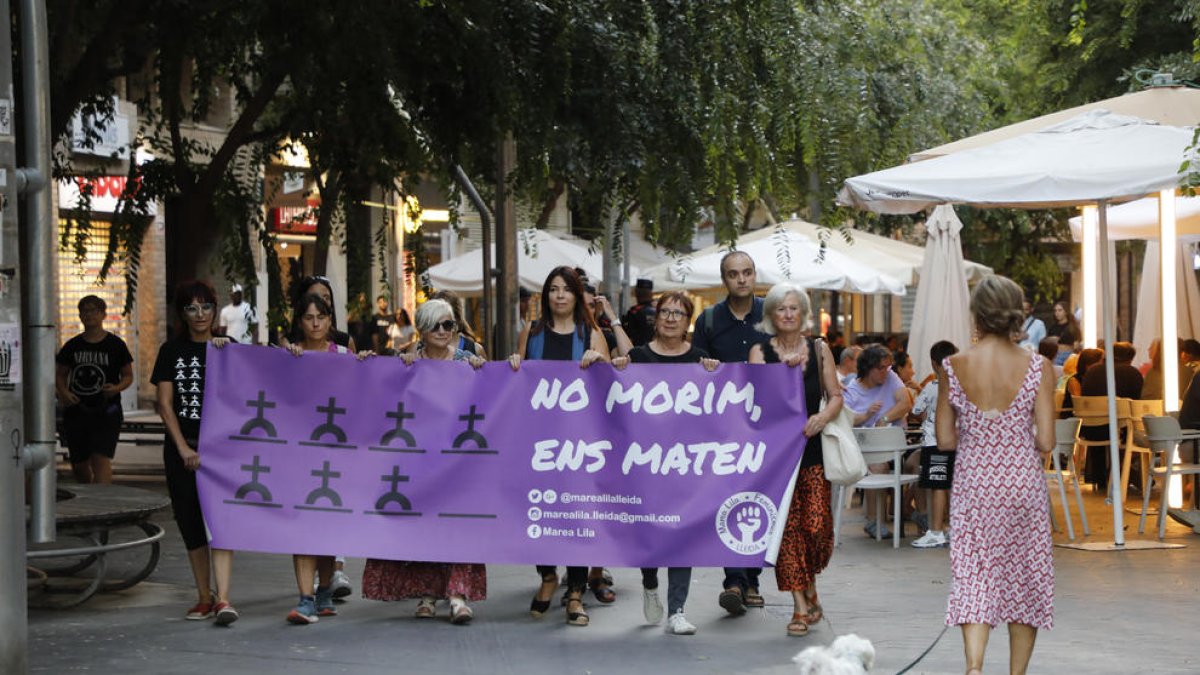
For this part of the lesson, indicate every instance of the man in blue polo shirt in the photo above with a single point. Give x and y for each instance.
(726, 331)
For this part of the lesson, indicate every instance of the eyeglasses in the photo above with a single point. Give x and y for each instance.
(449, 325)
(672, 314)
(197, 310)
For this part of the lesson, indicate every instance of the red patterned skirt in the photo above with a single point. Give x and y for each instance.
(402, 580)
(808, 535)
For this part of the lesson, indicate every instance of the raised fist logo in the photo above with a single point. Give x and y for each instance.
(749, 518)
(744, 522)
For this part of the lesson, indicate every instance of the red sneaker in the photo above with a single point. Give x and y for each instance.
(200, 611)
(225, 612)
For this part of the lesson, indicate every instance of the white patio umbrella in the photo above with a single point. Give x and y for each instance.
(538, 252)
(892, 257)
(786, 256)
(1095, 158)
(1147, 324)
(1139, 220)
(942, 310)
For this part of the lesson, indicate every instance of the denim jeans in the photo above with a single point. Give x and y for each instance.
(743, 578)
(678, 581)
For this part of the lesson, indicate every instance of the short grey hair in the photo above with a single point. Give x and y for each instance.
(430, 312)
(775, 297)
(850, 353)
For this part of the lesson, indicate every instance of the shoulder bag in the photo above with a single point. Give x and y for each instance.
(844, 464)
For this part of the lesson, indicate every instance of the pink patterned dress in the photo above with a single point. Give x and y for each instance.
(1001, 555)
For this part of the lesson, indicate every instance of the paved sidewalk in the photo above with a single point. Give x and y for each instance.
(1129, 612)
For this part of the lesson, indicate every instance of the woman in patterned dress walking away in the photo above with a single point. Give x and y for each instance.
(996, 408)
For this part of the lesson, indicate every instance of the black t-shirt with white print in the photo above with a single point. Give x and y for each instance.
(181, 362)
(93, 365)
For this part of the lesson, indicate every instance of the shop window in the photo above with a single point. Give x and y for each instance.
(79, 278)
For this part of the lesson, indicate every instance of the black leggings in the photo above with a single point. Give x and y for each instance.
(577, 577)
(185, 499)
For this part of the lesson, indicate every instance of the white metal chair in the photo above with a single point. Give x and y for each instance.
(880, 444)
(1136, 443)
(1064, 453)
(1164, 436)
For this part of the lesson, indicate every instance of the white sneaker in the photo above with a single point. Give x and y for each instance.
(652, 607)
(931, 539)
(340, 584)
(679, 625)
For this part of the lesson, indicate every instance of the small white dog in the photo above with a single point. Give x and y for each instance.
(848, 655)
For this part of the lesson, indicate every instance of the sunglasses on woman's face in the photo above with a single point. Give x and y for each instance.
(197, 310)
(448, 325)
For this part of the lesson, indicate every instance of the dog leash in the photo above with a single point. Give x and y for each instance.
(924, 653)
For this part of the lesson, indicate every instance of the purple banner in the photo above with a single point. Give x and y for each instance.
(654, 466)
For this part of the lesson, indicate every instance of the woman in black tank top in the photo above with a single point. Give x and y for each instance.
(808, 534)
(564, 321)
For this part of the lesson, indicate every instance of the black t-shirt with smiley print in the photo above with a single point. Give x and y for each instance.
(93, 365)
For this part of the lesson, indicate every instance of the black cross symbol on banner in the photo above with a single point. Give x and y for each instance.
(259, 421)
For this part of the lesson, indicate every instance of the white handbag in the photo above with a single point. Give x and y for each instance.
(844, 464)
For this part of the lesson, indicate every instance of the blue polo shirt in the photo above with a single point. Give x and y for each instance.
(729, 339)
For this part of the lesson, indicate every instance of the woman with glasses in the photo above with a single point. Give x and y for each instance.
(566, 331)
(179, 378)
(807, 542)
(315, 319)
(877, 398)
(458, 583)
(668, 345)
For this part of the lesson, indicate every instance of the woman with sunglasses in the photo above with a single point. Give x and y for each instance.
(458, 583)
(566, 331)
(179, 378)
(315, 318)
(669, 345)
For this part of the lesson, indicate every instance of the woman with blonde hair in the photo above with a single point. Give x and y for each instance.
(996, 410)
(808, 534)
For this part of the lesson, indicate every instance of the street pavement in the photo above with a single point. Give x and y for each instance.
(1126, 612)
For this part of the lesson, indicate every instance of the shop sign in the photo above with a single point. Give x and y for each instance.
(293, 219)
(105, 191)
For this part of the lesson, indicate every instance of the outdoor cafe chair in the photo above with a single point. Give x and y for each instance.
(1164, 436)
(1136, 443)
(1061, 469)
(878, 445)
(1092, 411)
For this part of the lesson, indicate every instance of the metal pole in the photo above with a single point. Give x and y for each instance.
(14, 631)
(1107, 306)
(36, 268)
(485, 226)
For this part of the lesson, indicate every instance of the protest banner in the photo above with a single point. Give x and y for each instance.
(658, 465)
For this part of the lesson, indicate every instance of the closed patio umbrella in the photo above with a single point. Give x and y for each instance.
(942, 309)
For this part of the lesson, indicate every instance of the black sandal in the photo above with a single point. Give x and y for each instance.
(602, 590)
(538, 608)
(579, 617)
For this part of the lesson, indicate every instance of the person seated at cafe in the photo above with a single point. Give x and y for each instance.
(1095, 383)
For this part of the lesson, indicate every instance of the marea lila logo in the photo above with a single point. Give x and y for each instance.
(744, 522)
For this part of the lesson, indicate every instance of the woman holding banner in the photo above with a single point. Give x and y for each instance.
(179, 378)
(669, 345)
(808, 534)
(390, 580)
(566, 331)
(314, 315)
